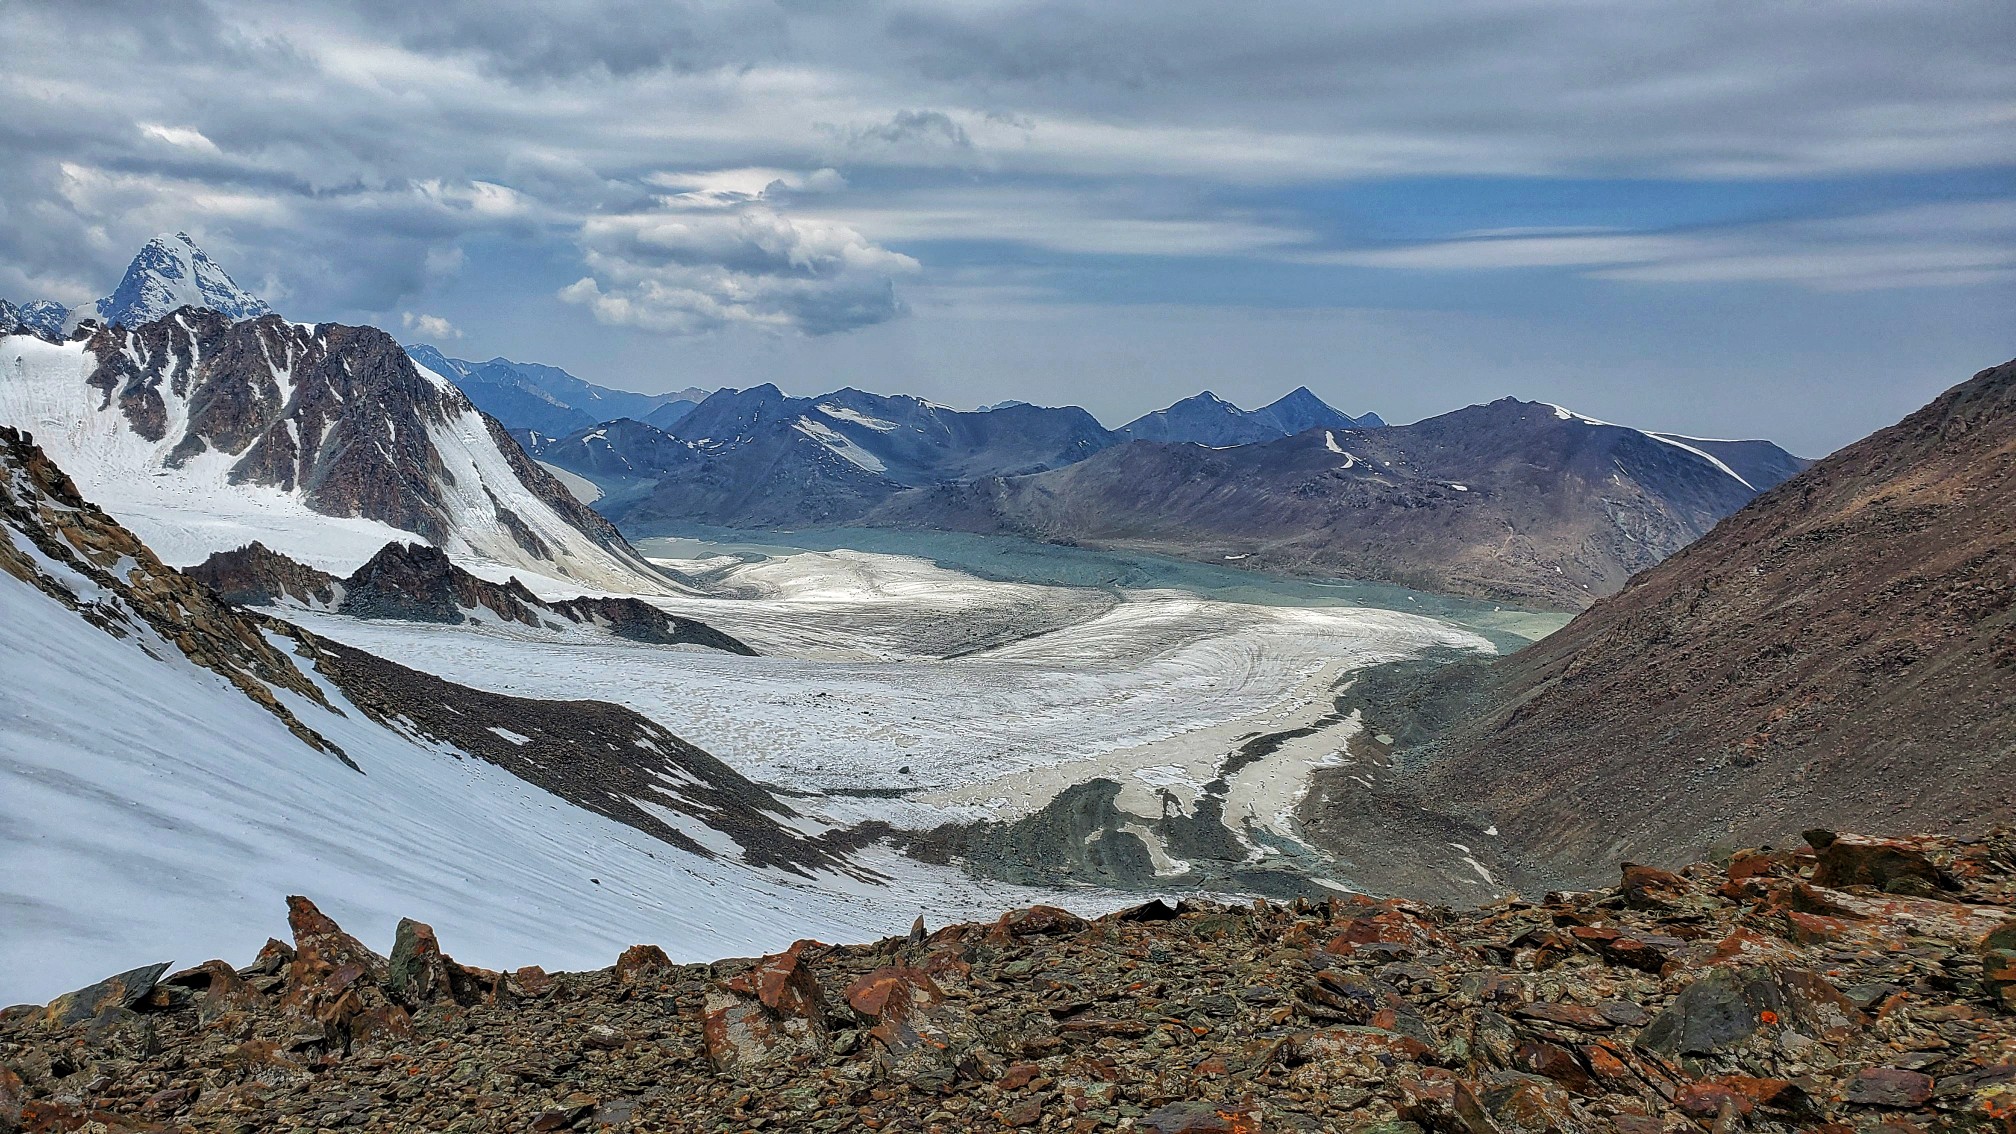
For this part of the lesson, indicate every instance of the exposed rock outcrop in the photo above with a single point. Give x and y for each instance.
(418, 583)
(336, 418)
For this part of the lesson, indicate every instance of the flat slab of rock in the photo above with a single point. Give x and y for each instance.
(121, 991)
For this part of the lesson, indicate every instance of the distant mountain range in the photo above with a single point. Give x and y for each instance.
(1524, 502)
(531, 397)
(1519, 501)
(1840, 652)
(761, 458)
(1207, 419)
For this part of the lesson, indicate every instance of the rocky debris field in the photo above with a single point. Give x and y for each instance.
(1852, 984)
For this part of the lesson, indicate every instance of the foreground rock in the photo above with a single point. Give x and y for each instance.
(1748, 995)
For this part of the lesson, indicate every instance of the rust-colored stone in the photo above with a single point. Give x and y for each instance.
(641, 963)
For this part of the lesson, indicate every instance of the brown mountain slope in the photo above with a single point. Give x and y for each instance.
(1840, 652)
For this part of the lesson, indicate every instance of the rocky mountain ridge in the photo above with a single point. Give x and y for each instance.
(1856, 984)
(1207, 419)
(418, 583)
(169, 272)
(758, 457)
(333, 420)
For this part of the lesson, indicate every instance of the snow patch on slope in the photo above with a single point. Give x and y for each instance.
(858, 418)
(182, 514)
(827, 436)
(1673, 439)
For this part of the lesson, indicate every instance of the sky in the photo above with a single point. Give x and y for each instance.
(1729, 219)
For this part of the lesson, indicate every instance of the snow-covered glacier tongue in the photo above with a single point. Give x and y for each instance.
(1155, 737)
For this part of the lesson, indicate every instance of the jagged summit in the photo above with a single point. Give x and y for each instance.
(1300, 410)
(169, 273)
(1207, 419)
(41, 317)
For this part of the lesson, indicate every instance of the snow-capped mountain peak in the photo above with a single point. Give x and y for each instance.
(171, 272)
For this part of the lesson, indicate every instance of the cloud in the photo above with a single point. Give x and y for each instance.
(1118, 222)
(701, 263)
(1922, 246)
(179, 136)
(922, 137)
(382, 136)
(432, 326)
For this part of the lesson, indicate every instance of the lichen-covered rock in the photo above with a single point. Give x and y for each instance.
(641, 963)
(121, 991)
(1898, 866)
(1649, 888)
(1726, 1007)
(773, 1011)
(417, 974)
(334, 987)
(920, 1035)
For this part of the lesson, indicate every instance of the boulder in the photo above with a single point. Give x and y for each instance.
(1888, 1087)
(121, 991)
(1040, 921)
(334, 988)
(919, 1035)
(418, 972)
(1376, 1046)
(1203, 1118)
(1647, 952)
(774, 1011)
(1396, 930)
(221, 990)
(273, 959)
(1725, 1007)
(1897, 866)
(1519, 1103)
(1649, 888)
(641, 963)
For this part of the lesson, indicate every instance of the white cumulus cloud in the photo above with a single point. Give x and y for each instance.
(432, 326)
(706, 260)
